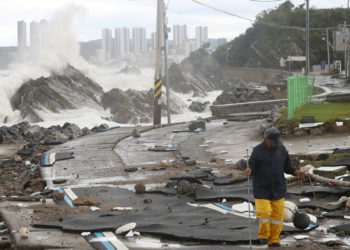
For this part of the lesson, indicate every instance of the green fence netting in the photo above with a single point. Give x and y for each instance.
(299, 92)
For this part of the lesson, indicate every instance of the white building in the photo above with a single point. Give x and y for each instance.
(201, 36)
(121, 42)
(39, 37)
(179, 35)
(34, 37)
(154, 41)
(139, 42)
(21, 38)
(107, 43)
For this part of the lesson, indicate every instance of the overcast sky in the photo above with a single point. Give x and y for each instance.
(93, 15)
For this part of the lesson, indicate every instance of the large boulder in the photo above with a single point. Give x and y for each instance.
(69, 89)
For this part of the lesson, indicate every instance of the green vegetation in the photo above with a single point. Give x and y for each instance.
(324, 112)
(263, 45)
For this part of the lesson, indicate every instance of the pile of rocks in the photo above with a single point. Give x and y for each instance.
(242, 92)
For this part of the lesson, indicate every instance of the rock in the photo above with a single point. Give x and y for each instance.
(316, 131)
(190, 162)
(35, 184)
(241, 164)
(333, 243)
(322, 157)
(140, 188)
(213, 160)
(86, 200)
(198, 106)
(165, 164)
(130, 70)
(59, 196)
(184, 187)
(135, 133)
(69, 89)
(299, 133)
(340, 234)
(23, 233)
(18, 158)
(196, 125)
(132, 169)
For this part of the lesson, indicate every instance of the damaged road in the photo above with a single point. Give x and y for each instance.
(184, 195)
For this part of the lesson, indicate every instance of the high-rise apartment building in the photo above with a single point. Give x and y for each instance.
(179, 35)
(34, 37)
(201, 36)
(21, 38)
(121, 42)
(139, 42)
(107, 43)
(39, 37)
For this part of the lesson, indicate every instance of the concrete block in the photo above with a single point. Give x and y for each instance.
(330, 172)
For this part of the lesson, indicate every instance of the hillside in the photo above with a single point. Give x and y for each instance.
(263, 45)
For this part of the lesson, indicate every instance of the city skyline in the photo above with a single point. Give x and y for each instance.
(92, 15)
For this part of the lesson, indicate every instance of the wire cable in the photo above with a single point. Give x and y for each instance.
(262, 22)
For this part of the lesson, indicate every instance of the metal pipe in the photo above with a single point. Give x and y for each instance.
(250, 227)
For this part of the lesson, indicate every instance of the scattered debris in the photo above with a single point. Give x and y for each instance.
(23, 232)
(125, 228)
(86, 200)
(129, 170)
(140, 188)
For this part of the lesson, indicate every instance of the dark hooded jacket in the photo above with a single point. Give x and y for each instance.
(268, 167)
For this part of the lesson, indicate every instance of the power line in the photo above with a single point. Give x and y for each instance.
(266, 1)
(262, 22)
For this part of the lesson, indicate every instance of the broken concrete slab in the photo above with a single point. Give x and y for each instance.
(345, 161)
(330, 171)
(38, 238)
(342, 228)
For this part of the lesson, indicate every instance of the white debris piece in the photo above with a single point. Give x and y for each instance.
(23, 233)
(304, 200)
(130, 234)
(85, 233)
(289, 210)
(339, 124)
(137, 233)
(313, 218)
(347, 217)
(95, 209)
(122, 208)
(125, 228)
(301, 237)
(242, 207)
(223, 200)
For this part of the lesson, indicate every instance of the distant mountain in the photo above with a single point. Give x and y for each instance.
(263, 45)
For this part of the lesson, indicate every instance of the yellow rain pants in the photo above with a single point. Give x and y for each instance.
(270, 215)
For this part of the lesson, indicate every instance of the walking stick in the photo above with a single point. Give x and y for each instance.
(250, 228)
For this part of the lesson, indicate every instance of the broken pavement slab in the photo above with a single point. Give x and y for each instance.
(16, 218)
(330, 171)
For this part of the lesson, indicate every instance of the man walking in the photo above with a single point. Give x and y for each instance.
(267, 165)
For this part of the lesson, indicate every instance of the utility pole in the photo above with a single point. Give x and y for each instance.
(307, 56)
(166, 68)
(158, 64)
(329, 60)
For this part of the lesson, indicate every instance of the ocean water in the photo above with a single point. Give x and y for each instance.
(55, 56)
